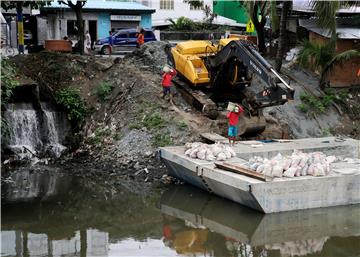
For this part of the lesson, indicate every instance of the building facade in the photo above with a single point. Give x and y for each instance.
(174, 9)
(58, 20)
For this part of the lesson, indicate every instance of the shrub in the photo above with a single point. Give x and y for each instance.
(182, 125)
(103, 90)
(154, 121)
(8, 83)
(8, 80)
(315, 56)
(183, 24)
(161, 140)
(71, 100)
(312, 104)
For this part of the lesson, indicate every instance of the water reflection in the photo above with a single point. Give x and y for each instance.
(73, 218)
(197, 223)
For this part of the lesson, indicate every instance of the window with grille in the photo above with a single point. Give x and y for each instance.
(197, 7)
(167, 4)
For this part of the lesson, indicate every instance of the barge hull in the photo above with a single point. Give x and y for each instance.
(280, 194)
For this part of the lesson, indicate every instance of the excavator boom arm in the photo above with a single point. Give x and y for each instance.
(278, 91)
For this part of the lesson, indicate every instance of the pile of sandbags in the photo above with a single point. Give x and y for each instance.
(298, 164)
(202, 151)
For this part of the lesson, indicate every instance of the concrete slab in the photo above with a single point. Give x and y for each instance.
(341, 187)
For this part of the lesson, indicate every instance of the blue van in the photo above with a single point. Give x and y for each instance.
(124, 40)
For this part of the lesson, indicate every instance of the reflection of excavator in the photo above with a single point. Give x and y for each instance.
(224, 72)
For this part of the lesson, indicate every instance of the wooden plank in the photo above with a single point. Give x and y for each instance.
(213, 137)
(241, 170)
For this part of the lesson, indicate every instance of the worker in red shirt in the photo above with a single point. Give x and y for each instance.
(233, 117)
(140, 38)
(166, 82)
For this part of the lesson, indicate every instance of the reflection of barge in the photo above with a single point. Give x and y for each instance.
(273, 231)
(281, 194)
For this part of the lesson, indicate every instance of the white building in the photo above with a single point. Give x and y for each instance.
(174, 9)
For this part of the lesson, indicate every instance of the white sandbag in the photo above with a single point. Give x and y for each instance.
(330, 159)
(221, 157)
(311, 170)
(327, 168)
(290, 172)
(260, 168)
(277, 171)
(231, 151)
(194, 152)
(286, 163)
(278, 157)
(319, 170)
(196, 144)
(295, 161)
(267, 170)
(227, 153)
(201, 154)
(216, 149)
(188, 145)
(303, 161)
(188, 152)
(209, 156)
(254, 165)
(304, 170)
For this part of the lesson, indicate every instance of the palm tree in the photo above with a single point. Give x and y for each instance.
(324, 57)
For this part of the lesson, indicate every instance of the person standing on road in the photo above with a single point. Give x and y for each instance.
(140, 38)
(166, 82)
(87, 42)
(233, 117)
(110, 42)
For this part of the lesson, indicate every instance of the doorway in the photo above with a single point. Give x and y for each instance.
(93, 32)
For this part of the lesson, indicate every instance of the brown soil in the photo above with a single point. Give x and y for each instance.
(134, 120)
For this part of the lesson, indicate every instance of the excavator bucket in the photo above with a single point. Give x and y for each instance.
(250, 126)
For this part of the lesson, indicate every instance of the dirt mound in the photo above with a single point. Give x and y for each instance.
(151, 55)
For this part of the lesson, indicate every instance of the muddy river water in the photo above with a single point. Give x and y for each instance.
(53, 214)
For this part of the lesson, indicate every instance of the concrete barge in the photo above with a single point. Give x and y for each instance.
(340, 187)
(256, 229)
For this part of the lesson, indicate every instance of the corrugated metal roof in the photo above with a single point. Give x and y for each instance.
(343, 32)
(105, 5)
(306, 6)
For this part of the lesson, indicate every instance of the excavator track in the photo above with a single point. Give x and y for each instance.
(197, 99)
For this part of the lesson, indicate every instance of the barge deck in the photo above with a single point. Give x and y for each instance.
(340, 187)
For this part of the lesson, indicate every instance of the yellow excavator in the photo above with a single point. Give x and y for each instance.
(224, 72)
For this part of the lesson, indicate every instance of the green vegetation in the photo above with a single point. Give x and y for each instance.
(186, 24)
(9, 82)
(154, 121)
(150, 121)
(312, 105)
(99, 135)
(182, 125)
(103, 90)
(315, 56)
(71, 100)
(161, 140)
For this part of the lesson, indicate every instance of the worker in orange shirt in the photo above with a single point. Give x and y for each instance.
(140, 38)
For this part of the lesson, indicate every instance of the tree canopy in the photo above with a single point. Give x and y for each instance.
(7, 5)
